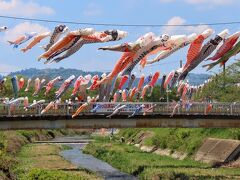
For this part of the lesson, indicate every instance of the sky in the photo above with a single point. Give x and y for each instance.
(176, 12)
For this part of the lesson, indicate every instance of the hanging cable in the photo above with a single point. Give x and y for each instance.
(115, 24)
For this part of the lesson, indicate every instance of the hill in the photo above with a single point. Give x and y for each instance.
(52, 73)
(194, 79)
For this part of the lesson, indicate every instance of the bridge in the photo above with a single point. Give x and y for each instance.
(222, 115)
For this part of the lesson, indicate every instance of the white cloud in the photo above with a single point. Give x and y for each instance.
(92, 10)
(213, 2)
(166, 1)
(6, 69)
(196, 29)
(20, 8)
(176, 20)
(202, 2)
(22, 28)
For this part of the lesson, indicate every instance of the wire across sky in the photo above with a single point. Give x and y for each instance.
(119, 25)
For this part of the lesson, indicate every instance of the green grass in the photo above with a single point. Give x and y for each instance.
(179, 139)
(42, 161)
(131, 160)
(42, 174)
(11, 143)
(189, 173)
(130, 154)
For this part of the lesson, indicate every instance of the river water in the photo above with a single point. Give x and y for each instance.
(78, 158)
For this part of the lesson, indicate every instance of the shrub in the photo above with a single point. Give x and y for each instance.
(183, 133)
(48, 175)
(159, 141)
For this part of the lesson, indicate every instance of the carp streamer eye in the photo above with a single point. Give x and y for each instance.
(165, 37)
(61, 28)
(114, 34)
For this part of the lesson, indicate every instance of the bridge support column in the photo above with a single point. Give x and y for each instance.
(39, 109)
(67, 109)
(9, 110)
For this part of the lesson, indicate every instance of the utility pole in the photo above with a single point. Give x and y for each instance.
(167, 94)
(224, 72)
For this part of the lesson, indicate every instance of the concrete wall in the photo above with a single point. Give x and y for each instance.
(218, 151)
(121, 121)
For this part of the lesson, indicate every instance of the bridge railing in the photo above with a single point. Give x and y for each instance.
(107, 108)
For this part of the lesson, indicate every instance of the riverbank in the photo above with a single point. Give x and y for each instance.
(11, 143)
(132, 160)
(41, 161)
(183, 140)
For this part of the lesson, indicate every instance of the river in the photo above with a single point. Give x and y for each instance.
(86, 161)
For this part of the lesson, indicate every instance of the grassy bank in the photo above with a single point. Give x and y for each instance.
(11, 143)
(184, 140)
(130, 159)
(41, 161)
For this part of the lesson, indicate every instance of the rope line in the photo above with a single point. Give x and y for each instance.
(115, 24)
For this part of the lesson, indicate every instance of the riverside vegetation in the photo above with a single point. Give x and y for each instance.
(132, 160)
(21, 160)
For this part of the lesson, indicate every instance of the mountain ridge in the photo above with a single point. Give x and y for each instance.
(48, 74)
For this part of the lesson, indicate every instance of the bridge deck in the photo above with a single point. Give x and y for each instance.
(222, 115)
(119, 121)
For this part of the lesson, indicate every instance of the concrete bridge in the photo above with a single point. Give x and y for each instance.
(222, 115)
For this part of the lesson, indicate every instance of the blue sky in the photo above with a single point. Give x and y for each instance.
(109, 11)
